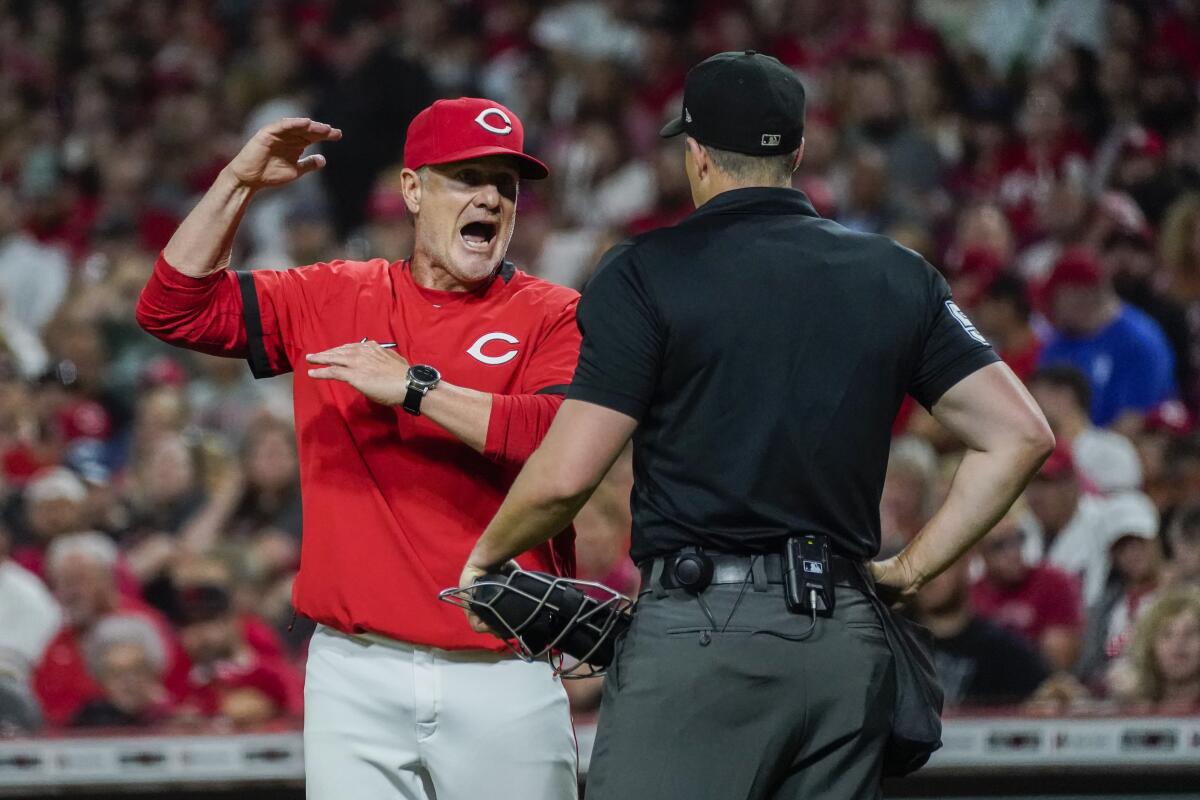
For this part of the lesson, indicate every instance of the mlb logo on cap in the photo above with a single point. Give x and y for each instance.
(466, 129)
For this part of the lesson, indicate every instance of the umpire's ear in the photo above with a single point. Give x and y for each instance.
(410, 187)
(699, 157)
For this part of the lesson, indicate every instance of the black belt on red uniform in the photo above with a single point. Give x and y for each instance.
(730, 568)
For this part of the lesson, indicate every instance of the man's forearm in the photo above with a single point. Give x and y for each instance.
(532, 513)
(202, 243)
(983, 489)
(461, 411)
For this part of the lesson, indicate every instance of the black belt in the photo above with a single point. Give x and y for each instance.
(728, 568)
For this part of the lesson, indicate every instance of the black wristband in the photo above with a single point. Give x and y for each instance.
(412, 401)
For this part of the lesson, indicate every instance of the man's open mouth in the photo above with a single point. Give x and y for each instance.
(478, 235)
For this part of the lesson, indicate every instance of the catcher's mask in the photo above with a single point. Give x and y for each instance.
(537, 613)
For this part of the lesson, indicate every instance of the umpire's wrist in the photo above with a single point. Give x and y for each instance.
(484, 559)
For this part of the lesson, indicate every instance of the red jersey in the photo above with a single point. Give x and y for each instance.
(393, 504)
(1047, 598)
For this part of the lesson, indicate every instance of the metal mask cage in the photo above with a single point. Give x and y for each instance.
(600, 616)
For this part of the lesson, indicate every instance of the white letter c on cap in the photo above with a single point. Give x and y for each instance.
(475, 351)
(482, 122)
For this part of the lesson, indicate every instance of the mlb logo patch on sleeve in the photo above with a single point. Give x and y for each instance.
(967, 325)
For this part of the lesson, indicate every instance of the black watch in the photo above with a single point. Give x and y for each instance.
(421, 378)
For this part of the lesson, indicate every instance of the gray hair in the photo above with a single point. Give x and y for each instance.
(55, 483)
(773, 169)
(92, 545)
(121, 629)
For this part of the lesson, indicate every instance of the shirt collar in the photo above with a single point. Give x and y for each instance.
(758, 200)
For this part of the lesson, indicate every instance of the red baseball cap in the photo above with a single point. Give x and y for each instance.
(1075, 267)
(467, 128)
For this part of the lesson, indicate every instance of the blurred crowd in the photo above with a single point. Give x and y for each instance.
(1043, 154)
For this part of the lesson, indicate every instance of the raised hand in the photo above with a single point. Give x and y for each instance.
(273, 156)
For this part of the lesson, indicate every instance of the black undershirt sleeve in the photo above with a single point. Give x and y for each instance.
(260, 364)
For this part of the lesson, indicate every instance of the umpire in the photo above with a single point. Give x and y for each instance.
(757, 354)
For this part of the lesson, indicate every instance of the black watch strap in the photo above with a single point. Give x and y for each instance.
(412, 401)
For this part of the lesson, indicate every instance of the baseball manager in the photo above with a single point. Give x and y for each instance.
(421, 386)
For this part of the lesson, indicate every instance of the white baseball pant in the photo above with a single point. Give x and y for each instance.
(386, 720)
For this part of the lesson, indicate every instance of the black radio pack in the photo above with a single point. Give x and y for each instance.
(808, 575)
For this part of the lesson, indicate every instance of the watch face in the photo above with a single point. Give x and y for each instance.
(423, 374)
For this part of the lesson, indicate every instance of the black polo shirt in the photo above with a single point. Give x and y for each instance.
(765, 352)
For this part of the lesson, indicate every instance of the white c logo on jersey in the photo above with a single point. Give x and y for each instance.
(482, 122)
(475, 351)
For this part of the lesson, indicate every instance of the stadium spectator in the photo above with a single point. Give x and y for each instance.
(54, 506)
(1104, 460)
(226, 401)
(908, 491)
(672, 195)
(229, 571)
(1070, 522)
(33, 275)
(1178, 483)
(230, 680)
(1165, 656)
(29, 619)
(1129, 528)
(1038, 602)
(126, 657)
(972, 272)
(1062, 217)
(869, 204)
(877, 119)
(1048, 153)
(1004, 316)
(82, 574)
(53, 502)
(1179, 246)
(1065, 123)
(1123, 352)
(258, 502)
(978, 662)
(1128, 256)
(165, 495)
(1013, 31)
(371, 92)
(1183, 543)
(389, 232)
(982, 226)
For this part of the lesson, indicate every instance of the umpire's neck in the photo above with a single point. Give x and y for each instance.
(711, 171)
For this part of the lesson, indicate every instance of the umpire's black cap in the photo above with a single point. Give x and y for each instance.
(742, 101)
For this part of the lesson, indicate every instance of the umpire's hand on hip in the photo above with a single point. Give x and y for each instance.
(894, 581)
(379, 373)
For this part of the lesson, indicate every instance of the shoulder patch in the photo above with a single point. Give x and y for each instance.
(967, 325)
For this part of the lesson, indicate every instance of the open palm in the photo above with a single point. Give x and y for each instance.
(273, 156)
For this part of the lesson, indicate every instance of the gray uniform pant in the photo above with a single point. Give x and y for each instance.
(743, 713)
